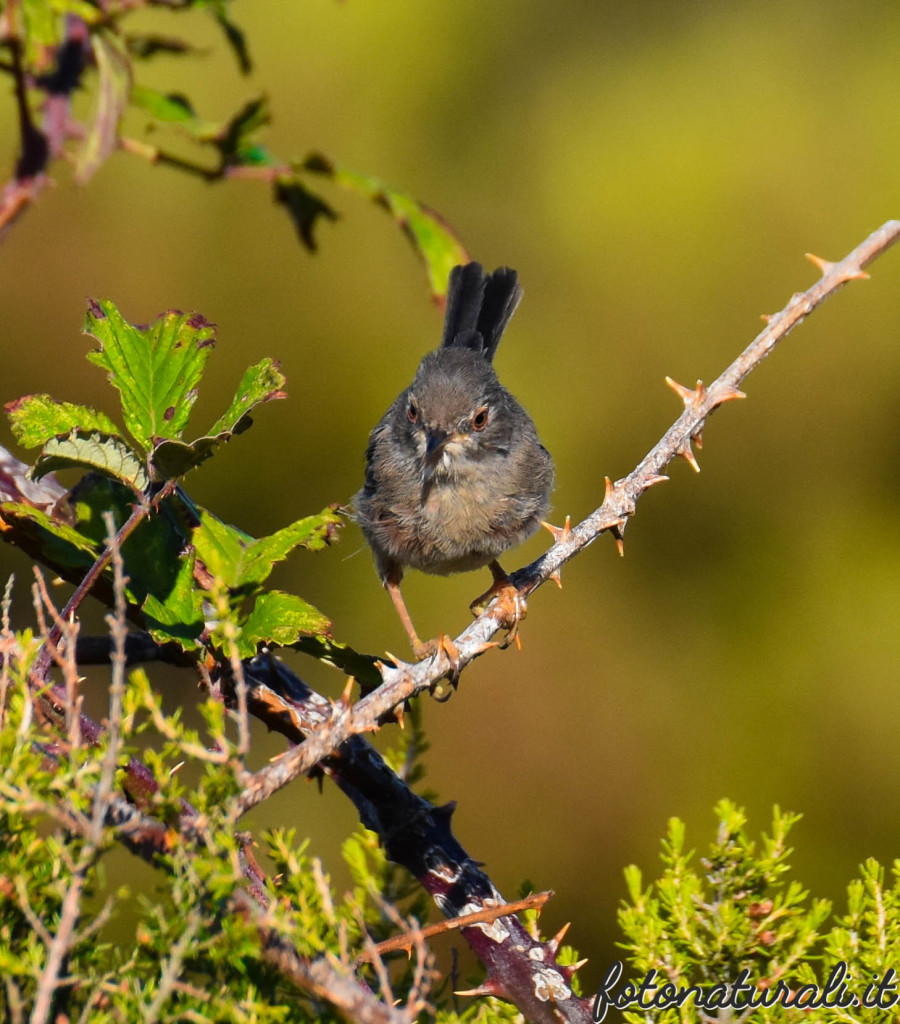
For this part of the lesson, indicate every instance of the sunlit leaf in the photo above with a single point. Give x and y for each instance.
(279, 619)
(114, 70)
(239, 560)
(261, 383)
(97, 451)
(174, 109)
(433, 239)
(36, 418)
(156, 369)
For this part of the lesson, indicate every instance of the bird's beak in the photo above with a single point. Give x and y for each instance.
(435, 442)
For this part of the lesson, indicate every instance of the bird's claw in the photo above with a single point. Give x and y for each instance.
(511, 608)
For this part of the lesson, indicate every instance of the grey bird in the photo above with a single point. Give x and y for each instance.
(455, 473)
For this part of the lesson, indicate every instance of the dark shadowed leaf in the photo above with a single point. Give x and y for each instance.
(146, 46)
(304, 208)
(362, 666)
(114, 70)
(178, 614)
(78, 450)
(156, 369)
(36, 418)
(433, 239)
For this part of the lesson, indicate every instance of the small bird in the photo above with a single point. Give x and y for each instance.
(455, 473)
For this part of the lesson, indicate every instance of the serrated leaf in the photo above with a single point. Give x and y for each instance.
(312, 533)
(156, 369)
(261, 383)
(239, 560)
(304, 207)
(36, 418)
(432, 237)
(279, 619)
(109, 455)
(174, 109)
(114, 70)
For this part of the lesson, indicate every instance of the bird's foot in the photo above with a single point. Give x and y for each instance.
(511, 606)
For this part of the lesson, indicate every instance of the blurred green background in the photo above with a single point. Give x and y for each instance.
(655, 172)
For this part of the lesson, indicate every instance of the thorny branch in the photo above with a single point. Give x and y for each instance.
(332, 729)
(402, 680)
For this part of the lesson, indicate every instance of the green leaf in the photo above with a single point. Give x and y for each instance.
(57, 544)
(221, 548)
(239, 560)
(261, 383)
(114, 69)
(156, 369)
(109, 455)
(433, 239)
(36, 418)
(312, 533)
(43, 29)
(177, 616)
(174, 109)
(279, 619)
(235, 140)
(305, 208)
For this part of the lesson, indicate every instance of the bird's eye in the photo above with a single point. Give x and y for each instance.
(412, 411)
(480, 419)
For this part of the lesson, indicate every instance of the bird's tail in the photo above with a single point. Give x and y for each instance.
(479, 306)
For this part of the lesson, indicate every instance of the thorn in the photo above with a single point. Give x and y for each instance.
(610, 490)
(560, 534)
(686, 452)
(856, 275)
(685, 394)
(399, 715)
(728, 394)
(620, 544)
(486, 646)
(554, 943)
(698, 438)
(485, 989)
(576, 966)
(654, 480)
(518, 642)
(346, 696)
(767, 318)
(393, 657)
(555, 576)
(825, 266)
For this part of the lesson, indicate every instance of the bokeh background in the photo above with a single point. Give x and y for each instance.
(655, 172)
